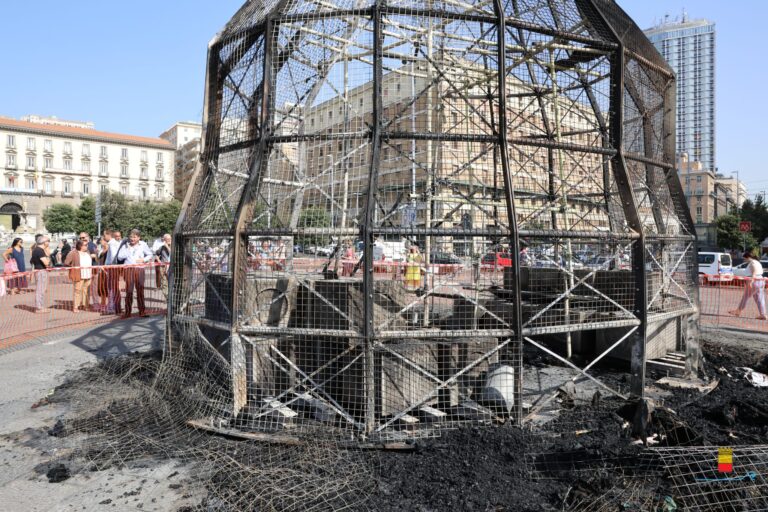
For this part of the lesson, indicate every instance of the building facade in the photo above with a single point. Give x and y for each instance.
(186, 138)
(62, 162)
(689, 48)
(417, 173)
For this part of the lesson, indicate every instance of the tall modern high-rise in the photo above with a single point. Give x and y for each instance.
(689, 48)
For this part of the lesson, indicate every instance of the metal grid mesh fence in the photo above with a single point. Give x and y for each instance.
(394, 198)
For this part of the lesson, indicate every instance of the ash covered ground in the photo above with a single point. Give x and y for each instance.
(587, 458)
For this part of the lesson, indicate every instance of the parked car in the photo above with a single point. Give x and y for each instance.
(325, 251)
(298, 249)
(497, 259)
(741, 270)
(715, 267)
(444, 258)
(599, 263)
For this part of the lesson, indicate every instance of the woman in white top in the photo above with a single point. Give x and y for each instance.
(80, 274)
(754, 287)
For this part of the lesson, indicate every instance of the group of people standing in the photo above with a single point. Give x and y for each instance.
(101, 267)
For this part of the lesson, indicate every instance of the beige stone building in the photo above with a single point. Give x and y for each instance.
(186, 138)
(55, 161)
(451, 180)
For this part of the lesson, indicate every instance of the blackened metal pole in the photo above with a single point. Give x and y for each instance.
(179, 282)
(242, 351)
(629, 201)
(501, 55)
(366, 230)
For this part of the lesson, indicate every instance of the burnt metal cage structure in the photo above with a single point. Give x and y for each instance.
(398, 201)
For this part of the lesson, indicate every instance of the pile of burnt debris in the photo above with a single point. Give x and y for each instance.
(603, 454)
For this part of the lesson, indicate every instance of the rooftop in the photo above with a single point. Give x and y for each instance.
(82, 133)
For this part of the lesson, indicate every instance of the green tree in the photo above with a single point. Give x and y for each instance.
(85, 217)
(114, 208)
(314, 217)
(756, 212)
(59, 218)
(729, 236)
(152, 219)
(165, 217)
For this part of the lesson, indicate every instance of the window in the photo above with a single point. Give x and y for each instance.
(103, 188)
(67, 188)
(86, 188)
(103, 168)
(86, 164)
(48, 187)
(86, 150)
(31, 143)
(10, 161)
(124, 153)
(159, 175)
(144, 174)
(103, 152)
(67, 164)
(67, 148)
(11, 182)
(47, 163)
(31, 184)
(158, 192)
(31, 161)
(143, 192)
(124, 171)
(159, 157)
(48, 145)
(698, 179)
(11, 142)
(312, 122)
(124, 189)
(144, 156)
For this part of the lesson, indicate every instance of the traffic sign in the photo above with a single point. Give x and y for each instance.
(745, 226)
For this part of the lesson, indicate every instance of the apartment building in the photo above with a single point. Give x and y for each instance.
(55, 161)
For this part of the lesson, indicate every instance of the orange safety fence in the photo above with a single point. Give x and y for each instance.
(42, 302)
(733, 302)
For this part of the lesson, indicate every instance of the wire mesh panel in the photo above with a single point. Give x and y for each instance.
(395, 198)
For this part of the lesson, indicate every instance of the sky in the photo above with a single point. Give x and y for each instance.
(137, 67)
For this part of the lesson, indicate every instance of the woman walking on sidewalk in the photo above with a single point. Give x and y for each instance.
(80, 260)
(754, 287)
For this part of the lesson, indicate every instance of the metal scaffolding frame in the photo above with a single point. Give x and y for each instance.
(507, 171)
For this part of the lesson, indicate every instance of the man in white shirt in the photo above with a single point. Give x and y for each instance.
(754, 287)
(134, 255)
(113, 273)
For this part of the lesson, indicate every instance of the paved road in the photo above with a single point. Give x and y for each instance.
(29, 373)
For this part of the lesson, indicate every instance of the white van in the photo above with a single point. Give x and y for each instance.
(715, 267)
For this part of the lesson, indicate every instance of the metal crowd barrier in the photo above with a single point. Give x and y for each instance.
(720, 300)
(41, 302)
(21, 319)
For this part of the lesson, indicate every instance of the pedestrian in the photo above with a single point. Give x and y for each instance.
(264, 256)
(80, 273)
(754, 287)
(134, 255)
(413, 268)
(14, 263)
(526, 260)
(65, 248)
(114, 273)
(163, 258)
(279, 255)
(41, 261)
(101, 275)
